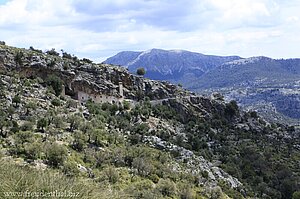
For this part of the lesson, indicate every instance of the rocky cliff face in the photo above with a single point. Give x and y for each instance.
(99, 78)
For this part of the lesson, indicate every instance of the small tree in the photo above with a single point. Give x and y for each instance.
(112, 174)
(19, 57)
(231, 109)
(52, 52)
(141, 71)
(66, 55)
(79, 142)
(166, 187)
(56, 83)
(143, 166)
(75, 121)
(50, 115)
(55, 102)
(2, 90)
(42, 123)
(14, 127)
(3, 124)
(86, 60)
(126, 105)
(36, 50)
(11, 110)
(30, 106)
(58, 122)
(33, 150)
(56, 154)
(16, 99)
(70, 169)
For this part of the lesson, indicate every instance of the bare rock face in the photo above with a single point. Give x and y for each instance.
(196, 164)
(96, 78)
(2, 59)
(191, 106)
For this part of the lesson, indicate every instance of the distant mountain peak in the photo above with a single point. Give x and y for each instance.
(169, 64)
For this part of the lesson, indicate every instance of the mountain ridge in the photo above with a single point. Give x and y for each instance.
(168, 62)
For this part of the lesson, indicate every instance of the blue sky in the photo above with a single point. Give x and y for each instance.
(97, 29)
(3, 2)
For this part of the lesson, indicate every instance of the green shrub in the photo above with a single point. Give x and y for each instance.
(56, 154)
(79, 142)
(141, 71)
(58, 122)
(111, 174)
(21, 139)
(52, 52)
(27, 126)
(204, 174)
(33, 150)
(30, 106)
(19, 57)
(113, 109)
(143, 189)
(56, 102)
(186, 192)
(11, 110)
(66, 65)
(166, 187)
(75, 121)
(296, 195)
(231, 109)
(16, 99)
(126, 105)
(15, 127)
(42, 123)
(66, 55)
(51, 63)
(86, 60)
(143, 166)
(56, 83)
(154, 178)
(36, 50)
(70, 169)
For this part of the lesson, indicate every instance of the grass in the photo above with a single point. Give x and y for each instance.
(24, 180)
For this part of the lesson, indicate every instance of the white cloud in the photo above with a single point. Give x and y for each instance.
(245, 13)
(99, 29)
(241, 8)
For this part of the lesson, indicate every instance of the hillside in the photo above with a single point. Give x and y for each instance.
(258, 83)
(107, 133)
(269, 86)
(255, 71)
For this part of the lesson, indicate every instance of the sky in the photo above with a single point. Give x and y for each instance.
(98, 29)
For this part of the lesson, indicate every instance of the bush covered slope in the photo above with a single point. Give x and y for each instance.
(169, 145)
